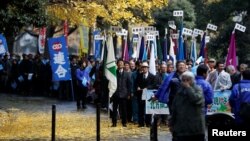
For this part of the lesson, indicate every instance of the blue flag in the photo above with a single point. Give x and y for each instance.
(97, 46)
(142, 48)
(180, 47)
(193, 54)
(59, 59)
(3, 45)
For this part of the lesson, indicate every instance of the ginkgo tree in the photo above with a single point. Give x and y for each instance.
(111, 12)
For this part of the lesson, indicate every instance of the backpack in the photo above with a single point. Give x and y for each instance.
(244, 111)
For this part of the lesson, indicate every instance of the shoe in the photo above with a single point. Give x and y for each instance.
(84, 107)
(113, 125)
(124, 125)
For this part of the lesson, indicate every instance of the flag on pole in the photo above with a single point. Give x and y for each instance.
(59, 59)
(125, 55)
(42, 40)
(84, 39)
(193, 54)
(3, 45)
(103, 50)
(141, 48)
(231, 56)
(171, 50)
(203, 44)
(159, 49)
(152, 68)
(180, 55)
(145, 51)
(110, 67)
(97, 45)
(66, 31)
(165, 45)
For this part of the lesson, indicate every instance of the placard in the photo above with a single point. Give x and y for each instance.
(212, 27)
(155, 107)
(220, 103)
(178, 13)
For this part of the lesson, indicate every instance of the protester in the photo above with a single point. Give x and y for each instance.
(207, 89)
(234, 75)
(121, 94)
(135, 73)
(83, 81)
(187, 122)
(241, 94)
(144, 80)
(175, 82)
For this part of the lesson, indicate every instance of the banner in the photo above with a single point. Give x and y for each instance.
(220, 103)
(155, 107)
(42, 40)
(59, 59)
(3, 45)
(84, 39)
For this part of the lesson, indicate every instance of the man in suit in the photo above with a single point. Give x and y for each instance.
(121, 95)
(148, 81)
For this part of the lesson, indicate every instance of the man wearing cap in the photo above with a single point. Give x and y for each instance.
(148, 81)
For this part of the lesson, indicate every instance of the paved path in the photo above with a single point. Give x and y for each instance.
(42, 104)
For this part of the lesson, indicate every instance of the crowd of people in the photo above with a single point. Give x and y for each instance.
(190, 88)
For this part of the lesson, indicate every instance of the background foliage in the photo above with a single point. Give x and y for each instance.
(102, 13)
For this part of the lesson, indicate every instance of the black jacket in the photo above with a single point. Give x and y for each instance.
(123, 85)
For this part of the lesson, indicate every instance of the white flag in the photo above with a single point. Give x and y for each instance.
(110, 67)
(171, 50)
(240, 27)
(152, 68)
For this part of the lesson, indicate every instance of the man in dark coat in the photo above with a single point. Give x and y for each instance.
(148, 81)
(121, 95)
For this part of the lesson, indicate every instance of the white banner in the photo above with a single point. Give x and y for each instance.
(240, 27)
(212, 27)
(178, 13)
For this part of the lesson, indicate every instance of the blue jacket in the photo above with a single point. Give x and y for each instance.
(207, 90)
(236, 99)
(163, 92)
(82, 76)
